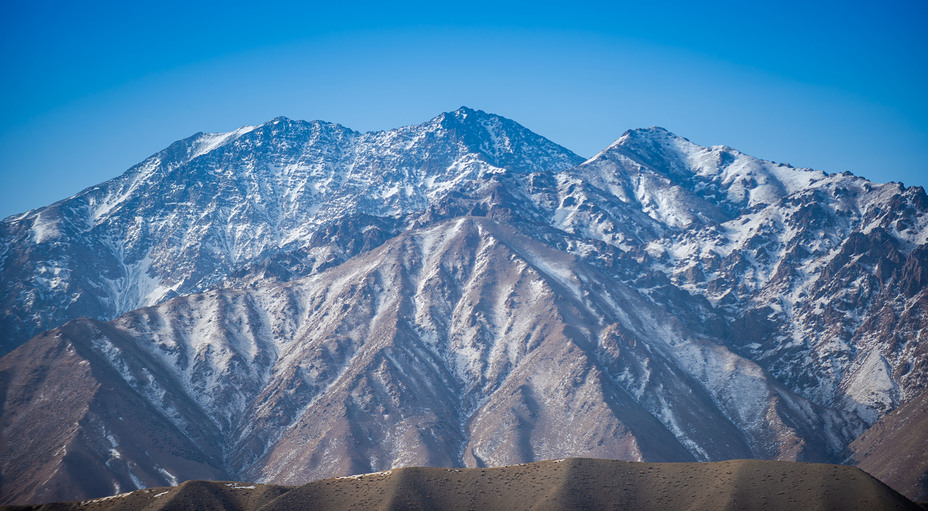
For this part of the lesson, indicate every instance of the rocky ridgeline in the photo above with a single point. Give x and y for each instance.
(296, 301)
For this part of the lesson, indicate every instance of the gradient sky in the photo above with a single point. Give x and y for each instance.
(91, 88)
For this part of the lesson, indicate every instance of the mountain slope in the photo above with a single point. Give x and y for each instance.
(895, 449)
(186, 218)
(72, 426)
(459, 293)
(827, 274)
(557, 484)
(460, 344)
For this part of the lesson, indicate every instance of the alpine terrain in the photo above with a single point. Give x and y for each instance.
(296, 301)
(561, 484)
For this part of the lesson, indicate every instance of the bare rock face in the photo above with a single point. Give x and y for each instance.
(296, 301)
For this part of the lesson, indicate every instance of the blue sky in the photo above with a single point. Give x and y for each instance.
(91, 88)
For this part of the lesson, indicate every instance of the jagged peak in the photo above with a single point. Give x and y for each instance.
(298, 123)
(499, 139)
(636, 137)
(463, 112)
(645, 144)
(651, 135)
(652, 130)
(464, 116)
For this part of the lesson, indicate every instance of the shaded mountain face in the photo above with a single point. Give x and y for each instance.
(72, 426)
(459, 293)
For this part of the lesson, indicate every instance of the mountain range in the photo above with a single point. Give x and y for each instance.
(296, 300)
(561, 484)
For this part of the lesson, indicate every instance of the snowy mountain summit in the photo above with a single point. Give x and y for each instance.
(212, 204)
(298, 300)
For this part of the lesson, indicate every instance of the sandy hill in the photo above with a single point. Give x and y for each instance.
(574, 483)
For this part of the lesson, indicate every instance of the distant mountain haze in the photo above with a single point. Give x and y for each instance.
(296, 301)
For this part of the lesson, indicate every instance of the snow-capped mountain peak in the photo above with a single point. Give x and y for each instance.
(681, 183)
(297, 299)
(187, 217)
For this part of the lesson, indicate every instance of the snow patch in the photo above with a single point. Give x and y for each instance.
(45, 229)
(239, 486)
(104, 499)
(171, 479)
(211, 141)
(135, 479)
(871, 390)
(382, 473)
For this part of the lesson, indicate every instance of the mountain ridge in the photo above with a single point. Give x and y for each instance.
(570, 483)
(286, 196)
(459, 292)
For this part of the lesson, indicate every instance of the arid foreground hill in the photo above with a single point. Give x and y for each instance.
(574, 483)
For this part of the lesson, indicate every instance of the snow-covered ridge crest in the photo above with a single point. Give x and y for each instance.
(209, 141)
(212, 204)
(465, 292)
(682, 184)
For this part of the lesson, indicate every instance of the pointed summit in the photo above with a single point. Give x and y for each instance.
(503, 142)
(651, 132)
(649, 139)
(464, 111)
(225, 190)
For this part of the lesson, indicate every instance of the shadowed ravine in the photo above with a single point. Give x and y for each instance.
(574, 483)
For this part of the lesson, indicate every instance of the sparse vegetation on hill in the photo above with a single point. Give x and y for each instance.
(573, 483)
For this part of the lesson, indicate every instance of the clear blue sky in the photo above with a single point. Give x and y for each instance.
(91, 88)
